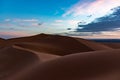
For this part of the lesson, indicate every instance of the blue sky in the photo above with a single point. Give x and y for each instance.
(29, 17)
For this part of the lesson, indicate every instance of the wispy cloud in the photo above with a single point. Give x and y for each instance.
(95, 7)
(20, 23)
(7, 20)
(59, 21)
(12, 34)
(26, 20)
(65, 23)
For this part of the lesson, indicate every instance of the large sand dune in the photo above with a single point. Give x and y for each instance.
(59, 45)
(98, 65)
(54, 57)
(55, 44)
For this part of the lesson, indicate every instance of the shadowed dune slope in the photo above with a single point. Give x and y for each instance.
(42, 56)
(1, 42)
(13, 60)
(113, 45)
(55, 44)
(1, 39)
(97, 65)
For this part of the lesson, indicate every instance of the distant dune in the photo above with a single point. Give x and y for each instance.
(94, 45)
(113, 45)
(55, 57)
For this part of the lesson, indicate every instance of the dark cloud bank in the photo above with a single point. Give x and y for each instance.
(105, 23)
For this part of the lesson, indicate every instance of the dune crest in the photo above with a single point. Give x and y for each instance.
(42, 56)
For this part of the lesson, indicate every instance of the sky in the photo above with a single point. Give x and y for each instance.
(29, 17)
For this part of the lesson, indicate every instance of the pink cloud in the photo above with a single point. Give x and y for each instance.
(97, 8)
(12, 34)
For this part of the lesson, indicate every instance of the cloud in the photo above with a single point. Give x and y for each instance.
(13, 34)
(7, 20)
(103, 27)
(72, 22)
(94, 7)
(100, 26)
(59, 21)
(26, 20)
(65, 24)
(106, 23)
(17, 23)
(68, 22)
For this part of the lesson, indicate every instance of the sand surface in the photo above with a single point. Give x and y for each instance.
(54, 57)
(113, 45)
(13, 60)
(98, 65)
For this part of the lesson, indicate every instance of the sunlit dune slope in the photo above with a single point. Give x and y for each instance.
(96, 65)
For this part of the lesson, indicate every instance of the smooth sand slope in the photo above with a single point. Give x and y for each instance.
(97, 65)
(42, 56)
(54, 57)
(94, 45)
(113, 45)
(12, 60)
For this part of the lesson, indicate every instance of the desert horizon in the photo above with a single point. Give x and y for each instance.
(59, 39)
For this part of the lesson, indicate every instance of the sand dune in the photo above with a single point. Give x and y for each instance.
(42, 56)
(13, 60)
(97, 65)
(54, 57)
(94, 45)
(55, 44)
(113, 45)
(61, 45)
